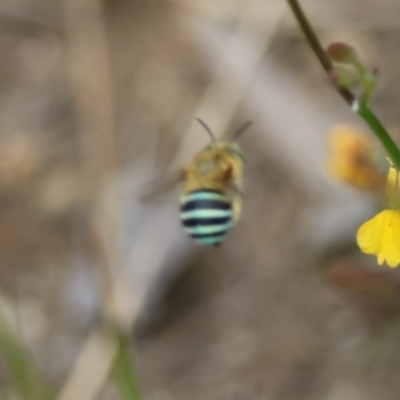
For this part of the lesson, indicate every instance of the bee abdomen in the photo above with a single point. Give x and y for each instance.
(206, 215)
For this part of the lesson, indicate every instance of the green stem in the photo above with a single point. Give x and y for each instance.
(27, 379)
(369, 117)
(124, 371)
(310, 35)
(362, 109)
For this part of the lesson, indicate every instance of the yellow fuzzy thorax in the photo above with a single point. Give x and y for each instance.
(218, 166)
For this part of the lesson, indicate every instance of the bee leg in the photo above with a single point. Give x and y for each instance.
(228, 173)
(236, 207)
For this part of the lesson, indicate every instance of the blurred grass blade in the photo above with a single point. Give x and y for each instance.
(124, 372)
(26, 378)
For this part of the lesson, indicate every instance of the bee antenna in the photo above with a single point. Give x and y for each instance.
(205, 126)
(241, 129)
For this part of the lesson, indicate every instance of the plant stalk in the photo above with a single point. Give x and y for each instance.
(361, 108)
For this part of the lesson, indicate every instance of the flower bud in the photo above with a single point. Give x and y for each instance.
(342, 53)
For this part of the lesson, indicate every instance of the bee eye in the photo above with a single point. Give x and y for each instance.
(236, 152)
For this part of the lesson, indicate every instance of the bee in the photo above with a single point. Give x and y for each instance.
(211, 198)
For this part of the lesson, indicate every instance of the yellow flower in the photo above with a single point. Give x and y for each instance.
(381, 234)
(393, 187)
(351, 158)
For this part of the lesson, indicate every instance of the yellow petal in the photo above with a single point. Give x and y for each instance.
(393, 176)
(396, 228)
(391, 245)
(370, 234)
(351, 159)
(393, 187)
(381, 236)
(346, 137)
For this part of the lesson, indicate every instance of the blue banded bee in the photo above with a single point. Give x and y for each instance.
(211, 199)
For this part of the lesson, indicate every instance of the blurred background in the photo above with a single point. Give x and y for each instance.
(98, 102)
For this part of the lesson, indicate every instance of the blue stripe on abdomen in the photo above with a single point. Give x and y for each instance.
(206, 215)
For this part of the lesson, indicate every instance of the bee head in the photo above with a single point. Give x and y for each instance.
(225, 146)
(231, 148)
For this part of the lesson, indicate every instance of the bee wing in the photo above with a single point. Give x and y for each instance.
(161, 184)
